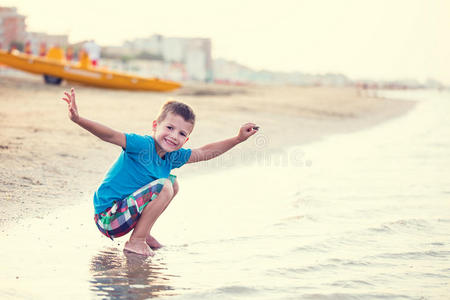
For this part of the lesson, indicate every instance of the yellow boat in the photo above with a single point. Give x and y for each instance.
(55, 68)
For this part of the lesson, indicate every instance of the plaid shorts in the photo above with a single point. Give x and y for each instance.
(123, 215)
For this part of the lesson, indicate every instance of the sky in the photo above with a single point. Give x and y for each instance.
(363, 39)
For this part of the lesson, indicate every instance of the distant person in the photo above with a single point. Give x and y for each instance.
(93, 50)
(27, 49)
(69, 53)
(43, 49)
(83, 59)
(139, 185)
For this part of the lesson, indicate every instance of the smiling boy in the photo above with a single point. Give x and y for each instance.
(139, 187)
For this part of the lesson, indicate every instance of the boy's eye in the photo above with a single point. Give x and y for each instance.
(183, 134)
(169, 127)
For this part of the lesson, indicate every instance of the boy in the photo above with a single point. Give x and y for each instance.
(139, 186)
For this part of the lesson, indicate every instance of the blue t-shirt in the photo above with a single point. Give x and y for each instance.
(137, 165)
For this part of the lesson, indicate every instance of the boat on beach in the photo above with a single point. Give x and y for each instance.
(55, 68)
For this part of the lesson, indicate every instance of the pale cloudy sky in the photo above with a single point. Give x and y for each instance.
(377, 39)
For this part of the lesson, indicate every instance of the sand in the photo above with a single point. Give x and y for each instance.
(48, 162)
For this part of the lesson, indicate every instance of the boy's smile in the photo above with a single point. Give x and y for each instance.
(171, 133)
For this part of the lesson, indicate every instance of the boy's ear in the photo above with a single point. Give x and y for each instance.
(186, 141)
(154, 125)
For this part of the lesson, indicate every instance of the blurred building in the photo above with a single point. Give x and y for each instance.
(226, 71)
(38, 39)
(190, 56)
(13, 32)
(431, 83)
(12, 27)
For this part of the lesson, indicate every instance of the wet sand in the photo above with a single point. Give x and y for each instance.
(47, 162)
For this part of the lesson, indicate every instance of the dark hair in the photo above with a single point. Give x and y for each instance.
(177, 108)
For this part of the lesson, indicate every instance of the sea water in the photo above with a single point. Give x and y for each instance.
(364, 215)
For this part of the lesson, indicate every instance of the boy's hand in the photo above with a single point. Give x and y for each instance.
(246, 131)
(212, 150)
(73, 110)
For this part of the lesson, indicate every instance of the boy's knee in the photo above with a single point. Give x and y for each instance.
(176, 187)
(168, 188)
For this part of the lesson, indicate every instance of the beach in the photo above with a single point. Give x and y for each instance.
(338, 196)
(342, 193)
(48, 162)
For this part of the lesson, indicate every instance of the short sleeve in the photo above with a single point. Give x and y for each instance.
(179, 157)
(136, 143)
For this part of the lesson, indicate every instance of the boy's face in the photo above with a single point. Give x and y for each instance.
(172, 132)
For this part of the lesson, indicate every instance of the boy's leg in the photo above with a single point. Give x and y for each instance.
(151, 241)
(137, 242)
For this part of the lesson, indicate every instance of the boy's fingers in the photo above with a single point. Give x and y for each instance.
(250, 126)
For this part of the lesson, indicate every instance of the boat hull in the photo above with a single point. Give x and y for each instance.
(90, 76)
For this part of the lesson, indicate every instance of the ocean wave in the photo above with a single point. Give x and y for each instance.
(311, 248)
(348, 262)
(415, 255)
(225, 292)
(329, 265)
(294, 219)
(236, 289)
(403, 224)
(351, 283)
(351, 296)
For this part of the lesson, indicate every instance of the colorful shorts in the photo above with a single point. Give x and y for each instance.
(123, 215)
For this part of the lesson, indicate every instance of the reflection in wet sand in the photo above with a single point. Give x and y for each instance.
(117, 275)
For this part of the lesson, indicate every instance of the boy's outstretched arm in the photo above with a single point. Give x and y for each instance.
(105, 133)
(212, 150)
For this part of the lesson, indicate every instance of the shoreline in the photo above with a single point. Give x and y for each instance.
(47, 162)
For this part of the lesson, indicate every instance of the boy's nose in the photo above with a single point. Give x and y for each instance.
(173, 136)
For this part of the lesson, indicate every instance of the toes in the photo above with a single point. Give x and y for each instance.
(138, 248)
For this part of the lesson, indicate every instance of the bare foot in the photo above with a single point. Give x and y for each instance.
(152, 242)
(138, 247)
